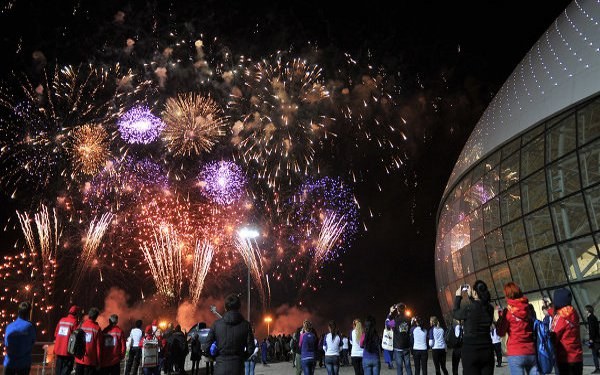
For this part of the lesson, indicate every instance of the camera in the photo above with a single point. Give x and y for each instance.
(465, 287)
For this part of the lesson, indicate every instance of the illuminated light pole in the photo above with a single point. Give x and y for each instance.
(268, 320)
(247, 234)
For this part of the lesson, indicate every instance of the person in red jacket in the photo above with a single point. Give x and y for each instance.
(516, 321)
(113, 347)
(567, 339)
(90, 362)
(65, 361)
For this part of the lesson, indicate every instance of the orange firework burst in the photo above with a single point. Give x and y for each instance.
(89, 149)
(193, 124)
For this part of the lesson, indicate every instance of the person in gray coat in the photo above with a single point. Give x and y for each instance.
(232, 335)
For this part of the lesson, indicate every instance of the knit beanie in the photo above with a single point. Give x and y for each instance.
(562, 298)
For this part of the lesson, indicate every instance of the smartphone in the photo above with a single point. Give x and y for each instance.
(465, 287)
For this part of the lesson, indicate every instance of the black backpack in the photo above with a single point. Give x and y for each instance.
(76, 344)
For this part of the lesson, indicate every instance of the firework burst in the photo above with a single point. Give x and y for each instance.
(193, 124)
(89, 149)
(282, 119)
(223, 182)
(139, 125)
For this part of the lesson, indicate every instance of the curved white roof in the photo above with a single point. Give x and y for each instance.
(562, 68)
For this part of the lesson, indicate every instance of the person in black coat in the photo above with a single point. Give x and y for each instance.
(477, 349)
(594, 336)
(178, 349)
(233, 337)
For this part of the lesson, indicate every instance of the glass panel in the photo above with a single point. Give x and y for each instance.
(467, 260)
(486, 276)
(492, 160)
(548, 267)
(534, 191)
(491, 215)
(480, 259)
(570, 218)
(495, 247)
(491, 180)
(561, 138)
(452, 275)
(476, 222)
(588, 121)
(538, 227)
(592, 199)
(510, 204)
(522, 273)
(509, 172)
(581, 258)
(587, 294)
(514, 239)
(563, 177)
(534, 133)
(589, 158)
(455, 272)
(501, 275)
(511, 147)
(533, 157)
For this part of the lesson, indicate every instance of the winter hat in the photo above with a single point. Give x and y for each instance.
(155, 322)
(74, 310)
(149, 330)
(562, 298)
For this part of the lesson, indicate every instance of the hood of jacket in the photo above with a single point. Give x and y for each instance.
(233, 318)
(518, 307)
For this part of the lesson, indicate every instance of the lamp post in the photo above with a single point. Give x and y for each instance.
(248, 234)
(268, 320)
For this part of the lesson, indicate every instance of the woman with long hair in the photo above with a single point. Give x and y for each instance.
(419, 349)
(356, 353)
(331, 345)
(438, 345)
(308, 348)
(515, 321)
(477, 350)
(370, 343)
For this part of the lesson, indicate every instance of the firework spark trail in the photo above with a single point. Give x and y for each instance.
(164, 259)
(253, 260)
(89, 149)
(203, 254)
(331, 231)
(193, 124)
(95, 232)
(47, 231)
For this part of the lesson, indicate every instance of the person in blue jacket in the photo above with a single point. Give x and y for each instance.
(18, 341)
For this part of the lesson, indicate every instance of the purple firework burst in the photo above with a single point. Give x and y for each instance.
(222, 182)
(139, 125)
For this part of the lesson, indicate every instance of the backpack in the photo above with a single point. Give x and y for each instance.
(451, 340)
(76, 344)
(150, 353)
(544, 347)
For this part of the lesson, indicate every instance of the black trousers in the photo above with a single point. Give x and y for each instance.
(455, 360)
(570, 368)
(64, 365)
(133, 361)
(420, 357)
(357, 364)
(498, 350)
(16, 371)
(85, 370)
(477, 361)
(111, 370)
(439, 360)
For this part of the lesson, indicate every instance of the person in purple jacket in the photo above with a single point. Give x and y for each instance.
(308, 347)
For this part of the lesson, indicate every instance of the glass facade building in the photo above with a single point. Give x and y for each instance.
(523, 202)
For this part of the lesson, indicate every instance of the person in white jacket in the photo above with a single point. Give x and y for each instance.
(356, 352)
(437, 345)
(419, 339)
(331, 346)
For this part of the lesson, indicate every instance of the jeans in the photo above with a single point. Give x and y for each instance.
(439, 360)
(402, 361)
(332, 364)
(151, 370)
(517, 364)
(371, 366)
(420, 361)
(357, 364)
(249, 367)
(298, 364)
(308, 366)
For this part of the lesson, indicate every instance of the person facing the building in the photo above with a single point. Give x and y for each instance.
(515, 321)
(87, 364)
(135, 350)
(370, 344)
(356, 352)
(437, 345)
(331, 345)
(497, 342)
(19, 338)
(567, 339)
(233, 337)
(64, 361)
(594, 336)
(113, 347)
(308, 348)
(400, 324)
(419, 348)
(477, 351)
(457, 347)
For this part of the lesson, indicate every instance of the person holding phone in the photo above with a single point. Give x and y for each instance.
(477, 351)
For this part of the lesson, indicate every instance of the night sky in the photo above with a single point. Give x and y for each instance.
(450, 59)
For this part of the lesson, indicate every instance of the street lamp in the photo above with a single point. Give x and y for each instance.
(248, 234)
(268, 320)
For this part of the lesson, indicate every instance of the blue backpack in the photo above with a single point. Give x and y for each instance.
(544, 347)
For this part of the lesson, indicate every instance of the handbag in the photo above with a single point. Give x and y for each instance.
(387, 342)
